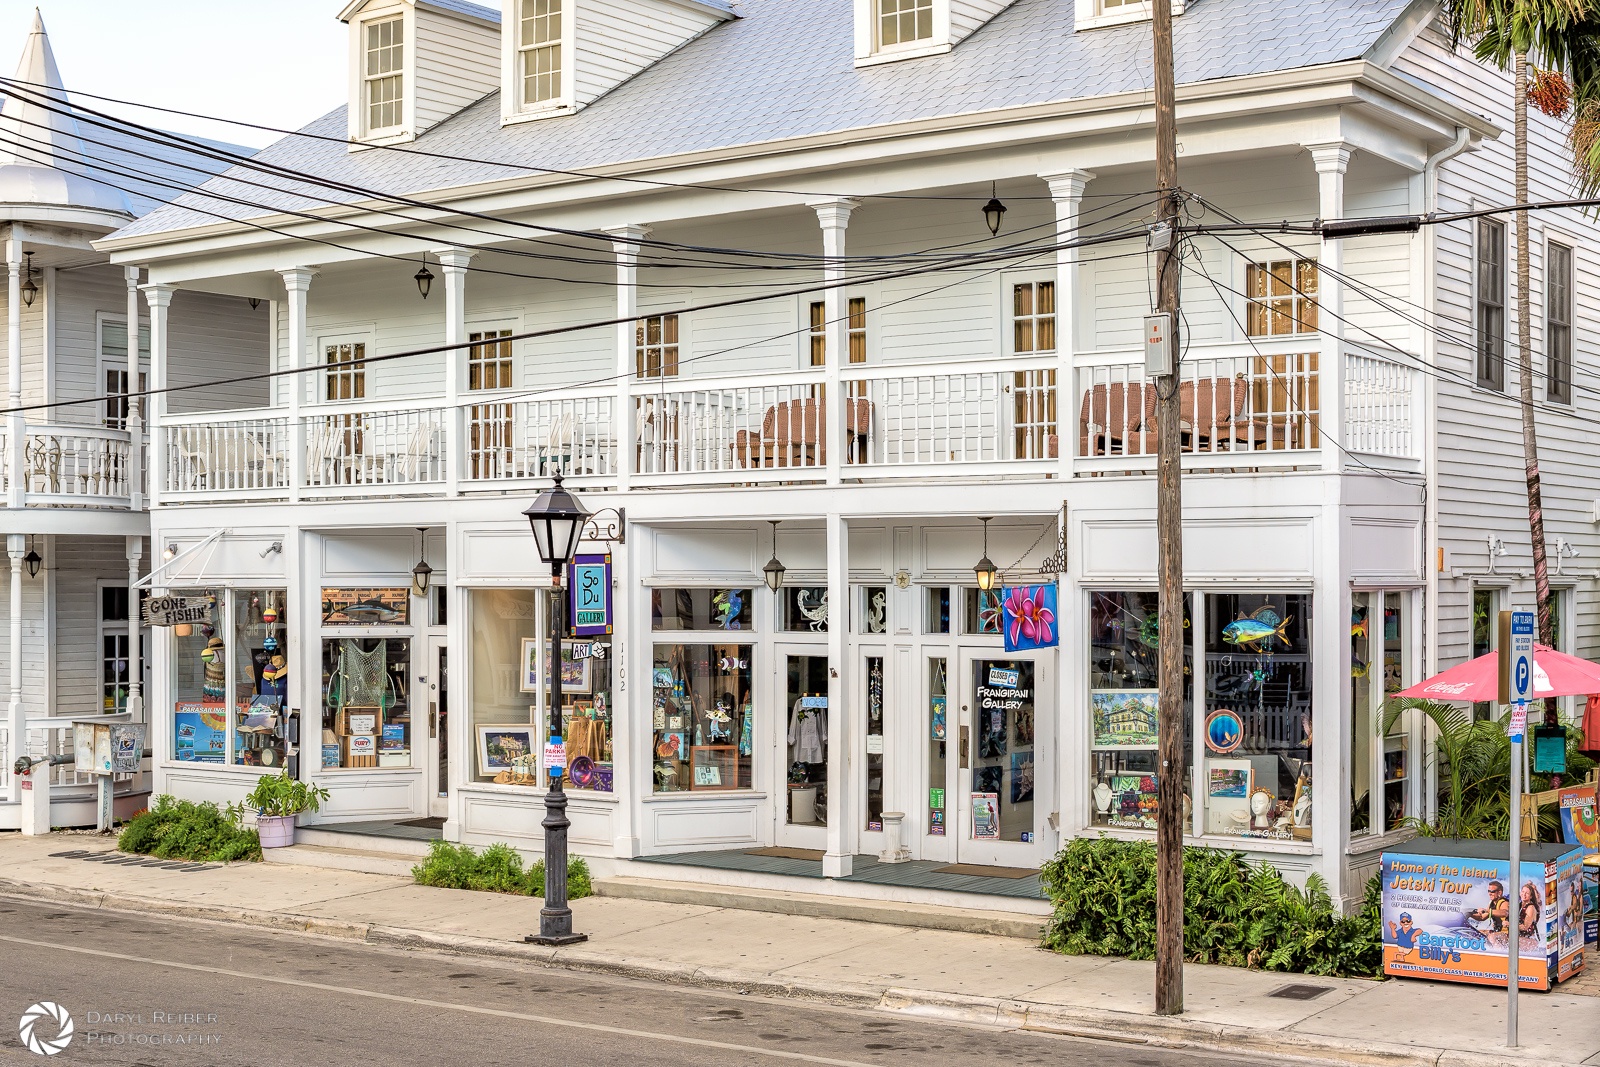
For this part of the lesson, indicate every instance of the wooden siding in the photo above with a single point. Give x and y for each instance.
(453, 63)
(967, 15)
(1481, 483)
(81, 564)
(616, 39)
(211, 337)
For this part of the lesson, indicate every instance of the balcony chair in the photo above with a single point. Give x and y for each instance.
(1117, 419)
(794, 434)
(192, 446)
(558, 446)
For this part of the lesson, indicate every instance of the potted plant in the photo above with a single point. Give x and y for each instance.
(277, 800)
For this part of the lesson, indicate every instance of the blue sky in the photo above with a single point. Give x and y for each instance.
(276, 62)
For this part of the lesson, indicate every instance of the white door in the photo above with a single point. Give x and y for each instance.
(435, 746)
(1001, 788)
(800, 736)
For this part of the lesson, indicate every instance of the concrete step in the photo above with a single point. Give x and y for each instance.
(889, 912)
(342, 859)
(333, 837)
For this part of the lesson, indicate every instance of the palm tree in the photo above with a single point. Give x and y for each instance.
(1474, 755)
(1559, 34)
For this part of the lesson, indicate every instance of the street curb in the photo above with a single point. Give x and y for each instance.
(1088, 1023)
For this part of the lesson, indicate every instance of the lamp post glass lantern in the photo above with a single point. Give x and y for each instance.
(985, 570)
(774, 569)
(556, 518)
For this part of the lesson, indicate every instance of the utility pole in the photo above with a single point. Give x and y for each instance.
(1169, 536)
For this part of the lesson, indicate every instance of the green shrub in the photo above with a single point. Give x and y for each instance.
(186, 830)
(497, 869)
(1236, 914)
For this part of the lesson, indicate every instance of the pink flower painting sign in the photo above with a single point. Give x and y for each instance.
(1028, 617)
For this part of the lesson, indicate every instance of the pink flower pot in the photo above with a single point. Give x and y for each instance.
(277, 831)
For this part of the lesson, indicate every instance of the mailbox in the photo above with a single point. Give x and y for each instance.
(101, 747)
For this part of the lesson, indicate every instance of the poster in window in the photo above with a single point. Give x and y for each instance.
(366, 607)
(1021, 777)
(936, 718)
(200, 733)
(985, 816)
(1124, 718)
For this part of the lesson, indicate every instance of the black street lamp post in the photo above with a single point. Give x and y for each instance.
(557, 519)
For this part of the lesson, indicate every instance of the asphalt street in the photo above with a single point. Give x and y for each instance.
(156, 991)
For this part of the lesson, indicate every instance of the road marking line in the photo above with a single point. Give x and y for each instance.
(424, 1002)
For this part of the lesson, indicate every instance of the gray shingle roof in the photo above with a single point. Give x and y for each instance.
(786, 69)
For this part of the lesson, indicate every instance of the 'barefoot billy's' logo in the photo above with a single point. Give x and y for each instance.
(46, 1028)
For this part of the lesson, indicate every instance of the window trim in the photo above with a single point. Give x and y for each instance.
(364, 80)
(1295, 296)
(104, 363)
(639, 364)
(512, 106)
(1008, 304)
(1553, 241)
(858, 308)
(868, 50)
(1481, 380)
(1091, 14)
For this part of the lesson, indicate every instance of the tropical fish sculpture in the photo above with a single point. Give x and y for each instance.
(1257, 629)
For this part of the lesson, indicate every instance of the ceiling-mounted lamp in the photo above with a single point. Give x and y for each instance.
(424, 279)
(774, 569)
(255, 302)
(985, 569)
(32, 560)
(29, 289)
(422, 574)
(994, 211)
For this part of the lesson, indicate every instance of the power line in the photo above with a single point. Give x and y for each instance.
(532, 168)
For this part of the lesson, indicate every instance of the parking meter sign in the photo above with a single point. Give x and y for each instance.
(1516, 656)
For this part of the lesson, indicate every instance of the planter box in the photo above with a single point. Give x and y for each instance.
(277, 831)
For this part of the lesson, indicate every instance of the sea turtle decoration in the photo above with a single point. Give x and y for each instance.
(1257, 629)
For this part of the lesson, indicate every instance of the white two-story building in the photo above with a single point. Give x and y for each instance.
(73, 442)
(733, 269)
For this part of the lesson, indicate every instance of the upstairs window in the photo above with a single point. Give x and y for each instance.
(904, 22)
(1558, 323)
(857, 331)
(1491, 304)
(539, 51)
(655, 348)
(347, 372)
(1283, 297)
(489, 360)
(383, 79)
(1033, 317)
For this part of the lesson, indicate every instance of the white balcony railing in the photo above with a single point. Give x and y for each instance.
(1241, 406)
(73, 466)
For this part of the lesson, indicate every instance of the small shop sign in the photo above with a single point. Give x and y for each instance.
(176, 610)
(589, 596)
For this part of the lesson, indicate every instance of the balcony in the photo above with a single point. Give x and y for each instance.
(1243, 407)
(73, 467)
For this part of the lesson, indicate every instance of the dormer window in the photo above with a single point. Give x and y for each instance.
(904, 22)
(1090, 14)
(539, 51)
(384, 78)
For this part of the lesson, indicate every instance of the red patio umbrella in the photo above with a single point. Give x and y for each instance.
(1555, 674)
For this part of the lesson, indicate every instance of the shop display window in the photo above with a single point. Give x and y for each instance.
(805, 608)
(509, 639)
(982, 611)
(938, 752)
(936, 619)
(806, 705)
(586, 713)
(702, 717)
(1004, 694)
(1255, 780)
(200, 684)
(875, 743)
(1378, 669)
(700, 609)
(259, 651)
(366, 703)
(875, 613)
(1124, 677)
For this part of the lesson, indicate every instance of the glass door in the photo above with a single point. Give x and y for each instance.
(436, 747)
(1000, 821)
(802, 743)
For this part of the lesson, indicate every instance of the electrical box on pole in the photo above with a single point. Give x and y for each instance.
(1158, 345)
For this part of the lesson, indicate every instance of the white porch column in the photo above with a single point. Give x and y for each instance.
(834, 215)
(630, 662)
(842, 787)
(159, 297)
(15, 421)
(1066, 189)
(296, 284)
(625, 245)
(1331, 161)
(454, 262)
(136, 406)
(135, 551)
(16, 548)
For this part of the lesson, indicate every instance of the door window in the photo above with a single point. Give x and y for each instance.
(875, 743)
(807, 740)
(1002, 739)
(938, 735)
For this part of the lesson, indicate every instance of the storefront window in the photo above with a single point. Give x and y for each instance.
(937, 618)
(983, 611)
(1258, 713)
(1363, 714)
(1124, 679)
(938, 734)
(586, 724)
(1397, 762)
(805, 609)
(366, 702)
(259, 653)
(875, 743)
(1485, 623)
(807, 705)
(702, 717)
(199, 684)
(508, 650)
(875, 617)
(1002, 758)
(700, 609)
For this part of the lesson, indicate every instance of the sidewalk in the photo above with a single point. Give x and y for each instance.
(934, 973)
